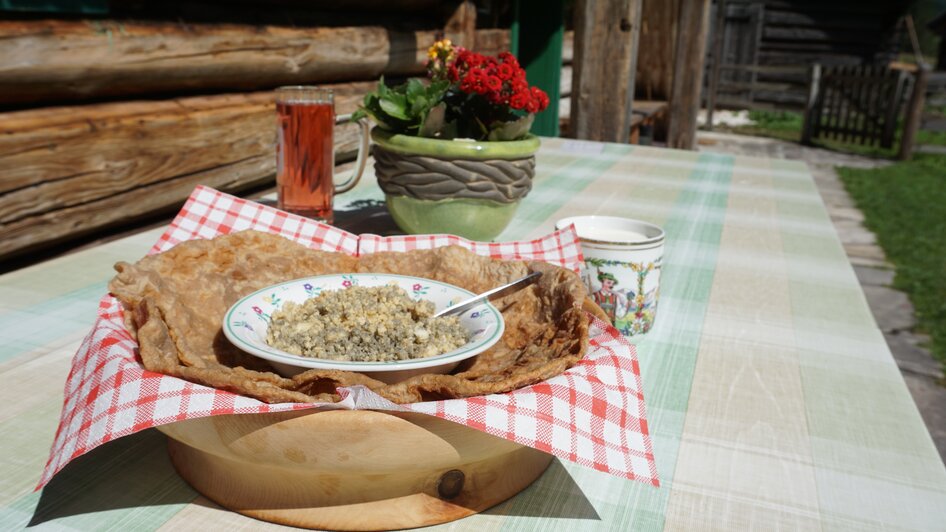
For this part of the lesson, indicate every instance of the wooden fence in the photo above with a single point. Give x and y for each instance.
(856, 104)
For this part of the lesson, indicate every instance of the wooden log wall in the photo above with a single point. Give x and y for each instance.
(71, 170)
(94, 137)
(75, 60)
(59, 60)
(769, 45)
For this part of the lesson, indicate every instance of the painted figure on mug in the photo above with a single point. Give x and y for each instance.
(612, 302)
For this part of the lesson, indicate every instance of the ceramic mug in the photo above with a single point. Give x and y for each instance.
(622, 268)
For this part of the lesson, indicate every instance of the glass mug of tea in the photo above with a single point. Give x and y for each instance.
(305, 151)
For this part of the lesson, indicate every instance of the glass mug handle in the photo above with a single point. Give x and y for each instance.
(362, 160)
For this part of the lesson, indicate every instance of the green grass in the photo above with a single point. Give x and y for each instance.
(905, 206)
(782, 125)
(787, 125)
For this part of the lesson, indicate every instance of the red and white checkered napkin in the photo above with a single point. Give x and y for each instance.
(592, 414)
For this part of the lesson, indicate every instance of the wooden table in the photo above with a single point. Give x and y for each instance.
(772, 397)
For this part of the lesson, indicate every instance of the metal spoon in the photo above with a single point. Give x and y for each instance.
(501, 291)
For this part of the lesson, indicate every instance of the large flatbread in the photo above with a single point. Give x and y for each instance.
(175, 303)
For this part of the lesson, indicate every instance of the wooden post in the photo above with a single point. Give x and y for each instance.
(689, 58)
(811, 106)
(911, 123)
(461, 25)
(718, 29)
(606, 36)
(941, 56)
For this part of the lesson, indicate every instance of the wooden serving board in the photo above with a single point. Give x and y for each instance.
(350, 470)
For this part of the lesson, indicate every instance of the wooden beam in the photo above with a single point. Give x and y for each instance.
(568, 47)
(719, 26)
(72, 60)
(461, 24)
(811, 104)
(604, 66)
(654, 75)
(689, 56)
(914, 114)
(69, 171)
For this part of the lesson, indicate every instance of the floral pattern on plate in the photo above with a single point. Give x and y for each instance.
(247, 321)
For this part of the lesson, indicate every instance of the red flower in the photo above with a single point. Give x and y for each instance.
(479, 78)
(494, 83)
(532, 106)
(519, 85)
(468, 84)
(500, 81)
(470, 59)
(539, 96)
(509, 59)
(505, 71)
(519, 100)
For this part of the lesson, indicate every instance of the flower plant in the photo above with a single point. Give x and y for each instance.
(466, 95)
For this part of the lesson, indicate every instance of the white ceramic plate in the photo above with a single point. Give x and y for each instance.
(247, 321)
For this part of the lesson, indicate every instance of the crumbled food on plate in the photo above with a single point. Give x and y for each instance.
(364, 324)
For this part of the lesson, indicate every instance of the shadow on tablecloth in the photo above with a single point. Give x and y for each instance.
(360, 216)
(130, 472)
(554, 495)
(135, 473)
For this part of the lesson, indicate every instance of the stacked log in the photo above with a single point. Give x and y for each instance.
(74, 60)
(69, 170)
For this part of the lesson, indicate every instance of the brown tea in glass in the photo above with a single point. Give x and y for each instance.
(305, 152)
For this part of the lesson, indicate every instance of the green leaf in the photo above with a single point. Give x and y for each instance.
(406, 108)
(415, 88)
(382, 88)
(437, 87)
(512, 130)
(420, 106)
(386, 122)
(394, 108)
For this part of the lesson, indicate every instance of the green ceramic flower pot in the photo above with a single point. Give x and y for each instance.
(469, 218)
(466, 188)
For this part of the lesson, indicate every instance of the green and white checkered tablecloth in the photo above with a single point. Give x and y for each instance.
(773, 400)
